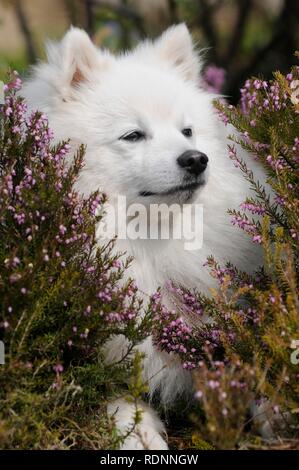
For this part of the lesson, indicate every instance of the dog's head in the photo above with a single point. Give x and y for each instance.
(149, 127)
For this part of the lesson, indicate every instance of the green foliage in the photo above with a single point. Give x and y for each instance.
(62, 296)
(258, 316)
(246, 357)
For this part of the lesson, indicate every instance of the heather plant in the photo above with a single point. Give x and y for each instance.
(61, 295)
(213, 78)
(224, 389)
(247, 356)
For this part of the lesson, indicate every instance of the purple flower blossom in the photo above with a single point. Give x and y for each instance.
(174, 335)
(214, 78)
(250, 227)
(258, 96)
(253, 208)
(58, 368)
(54, 234)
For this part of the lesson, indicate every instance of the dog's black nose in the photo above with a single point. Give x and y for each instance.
(193, 161)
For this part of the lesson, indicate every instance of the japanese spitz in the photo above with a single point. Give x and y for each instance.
(153, 137)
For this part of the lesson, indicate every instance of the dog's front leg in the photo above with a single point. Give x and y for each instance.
(148, 434)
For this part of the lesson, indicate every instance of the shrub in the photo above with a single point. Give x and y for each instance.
(62, 296)
(249, 351)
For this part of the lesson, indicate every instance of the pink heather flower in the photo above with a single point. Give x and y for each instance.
(213, 384)
(87, 310)
(257, 239)
(104, 295)
(187, 299)
(116, 263)
(249, 227)
(8, 111)
(172, 333)
(294, 234)
(58, 368)
(27, 220)
(188, 365)
(15, 261)
(279, 200)
(253, 208)
(90, 269)
(259, 97)
(62, 229)
(222, 116)
(214, 78)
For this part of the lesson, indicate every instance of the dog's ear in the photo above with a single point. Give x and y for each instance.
(176, 47)
(75, 59)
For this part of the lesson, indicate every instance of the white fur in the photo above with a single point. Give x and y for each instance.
(147, 434)
(94, 98)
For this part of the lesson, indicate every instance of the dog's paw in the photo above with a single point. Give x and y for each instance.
(145, 438)
(270, 425)
(146, 435)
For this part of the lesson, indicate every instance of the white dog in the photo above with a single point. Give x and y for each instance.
(152, 136)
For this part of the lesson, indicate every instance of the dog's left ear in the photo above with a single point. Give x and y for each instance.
(176, 47)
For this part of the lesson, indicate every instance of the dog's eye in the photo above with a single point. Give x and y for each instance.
(134, 136)
(187, 132)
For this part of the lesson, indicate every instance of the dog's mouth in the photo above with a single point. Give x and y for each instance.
(190, 187)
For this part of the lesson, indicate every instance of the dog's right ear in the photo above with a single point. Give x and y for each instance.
(74, 60)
